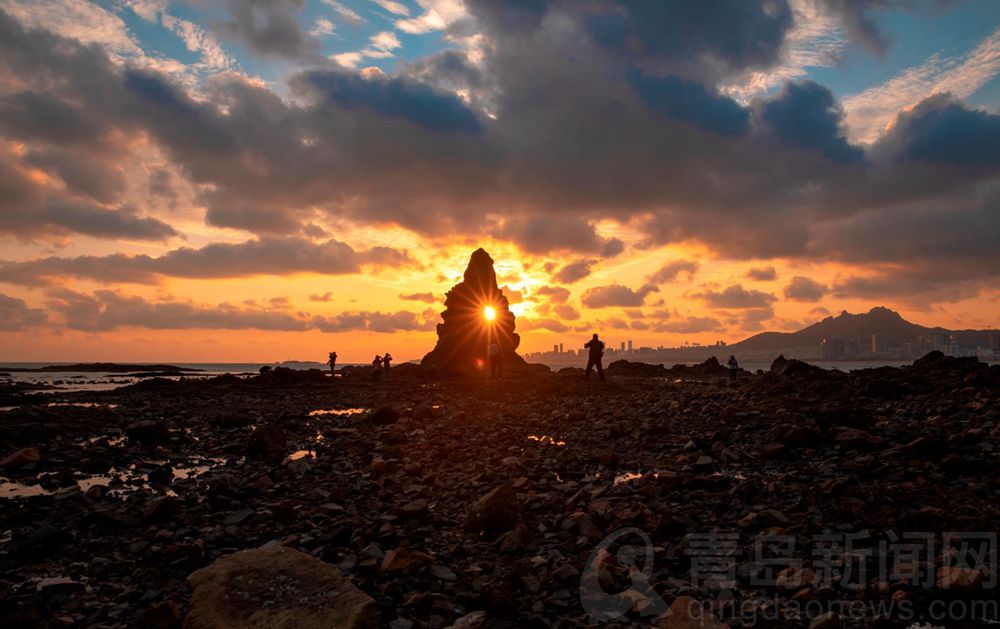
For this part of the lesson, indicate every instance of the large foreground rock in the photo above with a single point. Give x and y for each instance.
(276, 587)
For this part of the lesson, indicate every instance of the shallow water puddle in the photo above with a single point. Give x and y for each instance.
(547, 440)
(298, 455)
(337, 411)
(119, 481)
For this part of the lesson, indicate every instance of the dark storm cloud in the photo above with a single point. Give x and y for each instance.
(553, 294)
(396, 98)
(616, 295)
(102, 181)
(15, 315)
(942, 130)
(106, 310)
(736, 297)
(267, 256)
(270, 28)
(669, 271)
(727, 34)
(804, 289)
(807, 115)
(540, 234)
(856, 17)
(28, 209)
(574, 271)
(686, 100)
(762, 274)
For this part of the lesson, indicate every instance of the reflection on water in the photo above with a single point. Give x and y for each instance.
(627, 477)
(300, 454)
(9, 489)
(547, 440)
(337, 411)
(83, 404)
(123, 480)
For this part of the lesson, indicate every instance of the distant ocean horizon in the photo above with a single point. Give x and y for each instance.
(103, 381)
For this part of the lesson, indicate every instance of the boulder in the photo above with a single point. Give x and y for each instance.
(494, 513)
(267, 443)
(20, 458)
(384, 416)
(276, 587)
(147, 431)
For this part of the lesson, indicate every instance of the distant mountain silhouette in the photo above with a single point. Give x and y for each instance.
(878, 320)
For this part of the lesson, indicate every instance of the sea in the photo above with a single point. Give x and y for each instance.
(64, 381)
(67, 381)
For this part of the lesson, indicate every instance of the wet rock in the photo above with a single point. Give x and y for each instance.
(238, 517)
(960, 580)
(687, 613)
(147, 432)
(404, 560)
(856, 438)
(276, 587)
(829, 620)
(162, 615)
(161, 509)
(383, 416)
(21, 458)
(475, 620)
(267, 443)
(495, 512)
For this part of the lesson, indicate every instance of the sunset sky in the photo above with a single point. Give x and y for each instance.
(264, 180)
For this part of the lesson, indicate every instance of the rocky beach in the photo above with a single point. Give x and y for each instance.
(429, 502)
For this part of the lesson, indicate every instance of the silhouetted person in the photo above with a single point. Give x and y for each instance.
(376, 368)
(386, 362)
(496, 364)
(596, 347)
(733, 367)
(332, 361)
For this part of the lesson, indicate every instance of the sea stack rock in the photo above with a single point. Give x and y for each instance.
(466, 333)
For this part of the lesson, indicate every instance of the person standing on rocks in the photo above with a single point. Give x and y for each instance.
(386, 362)
(733, 368)
(376, 368)
(332, 361)
(596, 347)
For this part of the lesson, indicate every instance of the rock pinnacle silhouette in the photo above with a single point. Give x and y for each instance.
(465, 333)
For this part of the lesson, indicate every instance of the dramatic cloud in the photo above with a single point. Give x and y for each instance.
(15, 315)
(762, 274)
(268, 256)
(736, 297)
(109, 310)
(574, 271)
(804, 289)
(270, 28)
(806, 115)
(616, 295)
(575, 131)
(429, 298)
(670, 270)
(526, 324)
(553, 294)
